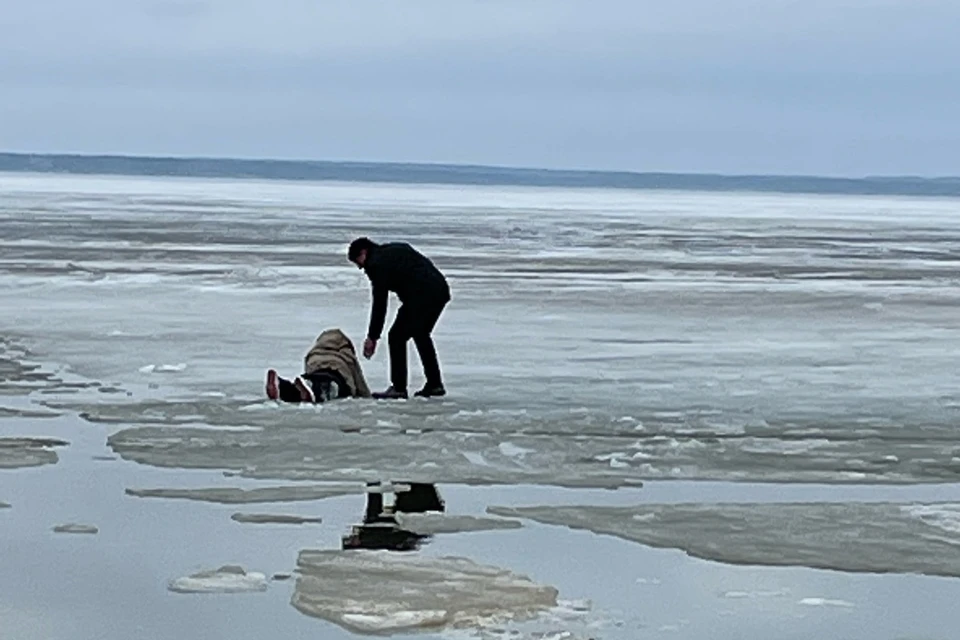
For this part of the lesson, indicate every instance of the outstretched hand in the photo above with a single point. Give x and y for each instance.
(369, 348)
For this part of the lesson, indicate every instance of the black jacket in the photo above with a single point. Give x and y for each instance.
(398, 267)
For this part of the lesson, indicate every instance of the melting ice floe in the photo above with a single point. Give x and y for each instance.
(301, 447)
(163, 368)
(945, 516)
(825, 602)
(872, 537)
(569, 620)
(305, 452)
(76, 528)
(375, 592)
(431, 524)
(749, 595)
(267, 518)
(236, 495)
(16, 412)
(28, 452)
(226, 579)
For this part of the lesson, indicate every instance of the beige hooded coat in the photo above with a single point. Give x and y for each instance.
(333, 350)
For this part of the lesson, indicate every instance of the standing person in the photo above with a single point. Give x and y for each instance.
(423, 292)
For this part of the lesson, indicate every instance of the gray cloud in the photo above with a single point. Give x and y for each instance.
(862, 86)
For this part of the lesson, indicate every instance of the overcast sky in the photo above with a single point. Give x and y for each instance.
(835, 87)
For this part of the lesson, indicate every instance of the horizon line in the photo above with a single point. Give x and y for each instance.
(436, 173)
(471, 166)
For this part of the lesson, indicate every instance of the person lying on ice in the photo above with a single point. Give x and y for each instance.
(331, 371)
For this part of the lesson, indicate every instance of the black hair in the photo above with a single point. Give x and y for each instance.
(359, 245)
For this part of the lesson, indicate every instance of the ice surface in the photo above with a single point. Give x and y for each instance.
(163, 368)
(944, 516)
(747, 337)
(226, 579)
(595, 339)
(569, 620)
(870, 537)
(739, 595)
(825, 602)
(268, 518)
(16, 412)
(236, 495)
(28, 452)
(76, 528)
(375, 592)
(334, 455)
(430, 523)
(599, 454)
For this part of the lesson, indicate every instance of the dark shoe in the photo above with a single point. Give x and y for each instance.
(431, 391)
(390, 394)
(273, 389)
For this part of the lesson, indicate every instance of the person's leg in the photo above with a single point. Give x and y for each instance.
(281, 389)
(428, 358)
(305, 389)
(374, 511)
(427, 351)
(273, 389)
(400, 333)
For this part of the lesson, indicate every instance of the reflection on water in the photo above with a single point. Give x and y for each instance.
(380, 529)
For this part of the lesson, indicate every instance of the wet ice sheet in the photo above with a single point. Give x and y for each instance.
(325, 454)
(14, 412)
(28, 452)
(22, 372)
(226, 579)
(374, 592)
(236, 495)
(274, 518)
(569, 620)
(431, 524)
(738, 336)
(73, 527)
(856, 537)
(603, 452)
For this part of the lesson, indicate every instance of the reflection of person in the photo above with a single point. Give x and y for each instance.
(331, 371)
(380, 529)
(423, 292)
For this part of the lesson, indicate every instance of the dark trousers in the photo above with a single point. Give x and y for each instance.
(415, 320)
(320, 383)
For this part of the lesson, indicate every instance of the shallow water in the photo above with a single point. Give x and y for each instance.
(595, 339)
(115, 585)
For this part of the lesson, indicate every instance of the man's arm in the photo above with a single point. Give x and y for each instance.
(378, 312)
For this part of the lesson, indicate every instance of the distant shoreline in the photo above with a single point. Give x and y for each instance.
(447, 174)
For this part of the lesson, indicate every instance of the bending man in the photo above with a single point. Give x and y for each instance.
(423, 292)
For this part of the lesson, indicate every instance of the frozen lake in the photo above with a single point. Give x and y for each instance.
(594, 336)
(596, 339)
